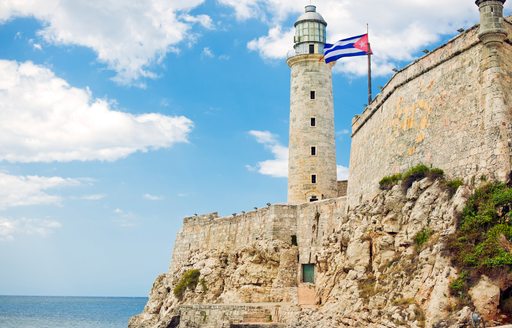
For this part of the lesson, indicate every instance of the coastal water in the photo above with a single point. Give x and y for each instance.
(68, 312)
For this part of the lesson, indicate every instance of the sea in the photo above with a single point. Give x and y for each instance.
(68, 312)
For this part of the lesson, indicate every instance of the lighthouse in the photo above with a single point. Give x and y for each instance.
(312, 151)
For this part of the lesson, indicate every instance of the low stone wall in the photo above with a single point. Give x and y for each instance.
(210, 232)
(306, 224)
(228, 316)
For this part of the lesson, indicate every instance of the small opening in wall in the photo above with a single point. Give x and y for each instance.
(294, 240)
(308, 273)
(506, 301)
(313, 151)
(311, 48)
(313, 199)
(312, 94)
(313, 178)
(313, 121)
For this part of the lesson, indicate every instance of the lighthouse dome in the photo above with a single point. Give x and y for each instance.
(310, 15)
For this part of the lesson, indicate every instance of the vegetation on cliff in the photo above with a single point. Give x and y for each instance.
(407, 178)
(189, 279)
(482, 243)
(418, 172)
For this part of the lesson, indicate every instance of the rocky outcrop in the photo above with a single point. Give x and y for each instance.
(486, 298)
(383, 266)
(258, 273)
(377, 274)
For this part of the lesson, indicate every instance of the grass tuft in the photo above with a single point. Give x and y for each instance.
(422, 237)
(389, 181)
(189, 280)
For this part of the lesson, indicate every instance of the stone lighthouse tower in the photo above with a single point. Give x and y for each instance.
(312, 152)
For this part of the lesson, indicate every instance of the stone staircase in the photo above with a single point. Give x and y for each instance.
(246, 315)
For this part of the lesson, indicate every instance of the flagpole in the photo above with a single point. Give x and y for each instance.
(369, 69)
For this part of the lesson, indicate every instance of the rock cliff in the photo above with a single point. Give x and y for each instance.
(384, 265)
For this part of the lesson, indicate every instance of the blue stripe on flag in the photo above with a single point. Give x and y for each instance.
(342, 48)
(334, 58)
(346, 46)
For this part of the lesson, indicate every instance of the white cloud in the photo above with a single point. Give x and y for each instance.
(343, 132)
(204, 20)
(398, 28)
(342, 172)
(152, 197)
(44, 119)
(10, 228)
(128, 36)
(93, 197)
(207, 52)
(272, 45)
(244, 9)
(124, 219)
(277, 167)
(30, 190)
(37, 46)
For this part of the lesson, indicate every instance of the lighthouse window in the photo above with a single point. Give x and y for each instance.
(312, 95)
(311, 48)
(313, 121)
(313, 151)
(313, 178)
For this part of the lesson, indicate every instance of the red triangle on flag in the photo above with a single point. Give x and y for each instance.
(362, 44)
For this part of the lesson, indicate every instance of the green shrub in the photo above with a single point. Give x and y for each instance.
(419, 172)
(414, 173)
(453, 185)
(422, 237)
(389, 181)
(189, 279)
(482, 242)
(460, 286)
(435, 173)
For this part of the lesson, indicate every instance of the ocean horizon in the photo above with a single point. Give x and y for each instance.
(68, 311)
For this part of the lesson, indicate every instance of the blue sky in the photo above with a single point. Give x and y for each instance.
(118, 118)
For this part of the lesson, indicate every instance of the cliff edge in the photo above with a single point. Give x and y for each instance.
(385, 263)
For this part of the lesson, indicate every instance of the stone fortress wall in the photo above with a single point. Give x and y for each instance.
(304, 227)
(450, 109)
(304, 224)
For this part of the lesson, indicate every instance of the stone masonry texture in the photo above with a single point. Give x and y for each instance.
(310, 74)
(450, 109)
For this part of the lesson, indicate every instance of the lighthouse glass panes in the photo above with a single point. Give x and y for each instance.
(310, 31)
(310, 34)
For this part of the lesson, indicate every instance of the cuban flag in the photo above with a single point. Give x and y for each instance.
(354, 46)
